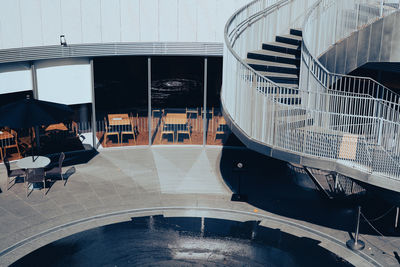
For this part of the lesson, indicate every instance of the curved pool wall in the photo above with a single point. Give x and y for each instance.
(177, 241)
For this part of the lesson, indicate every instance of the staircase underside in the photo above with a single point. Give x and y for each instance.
(340, 166)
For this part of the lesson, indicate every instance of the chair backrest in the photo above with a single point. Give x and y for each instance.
(7, 164)
(61, 159)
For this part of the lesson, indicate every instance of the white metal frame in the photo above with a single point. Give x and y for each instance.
(353, 121)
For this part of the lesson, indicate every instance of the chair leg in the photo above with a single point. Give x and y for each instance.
(44, 187)
(19, 153)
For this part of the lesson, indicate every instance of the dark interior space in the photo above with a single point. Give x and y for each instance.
(120, 83)
(177, 82)
(386, 73)
(214, 82)
(13, 97)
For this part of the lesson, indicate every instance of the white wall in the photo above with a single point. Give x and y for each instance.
(66, 81)
(25, 23)
(15, 77)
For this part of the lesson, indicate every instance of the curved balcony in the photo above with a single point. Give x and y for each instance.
(340, 123)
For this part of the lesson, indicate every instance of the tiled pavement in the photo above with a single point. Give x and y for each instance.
(124, 182)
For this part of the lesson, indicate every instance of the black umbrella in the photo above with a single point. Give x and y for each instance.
(29, 112)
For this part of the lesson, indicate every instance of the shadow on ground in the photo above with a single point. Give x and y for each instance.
(268, 184)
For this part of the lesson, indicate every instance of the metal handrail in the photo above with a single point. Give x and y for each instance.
(327, 122)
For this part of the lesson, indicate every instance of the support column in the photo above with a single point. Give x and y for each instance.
(34, 81)
(149, 97)
(205, 103)
(35, 96)
(94, 125)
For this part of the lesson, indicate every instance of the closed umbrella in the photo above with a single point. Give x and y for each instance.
(28, 112)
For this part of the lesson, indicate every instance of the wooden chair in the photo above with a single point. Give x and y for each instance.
(221, 127)
(132, 131)
(185, 129)
(12, 144)
(191, 111)
(13, 173)
(108, 133)
(166, 129)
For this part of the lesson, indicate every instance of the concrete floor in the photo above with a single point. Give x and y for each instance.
(120, 183)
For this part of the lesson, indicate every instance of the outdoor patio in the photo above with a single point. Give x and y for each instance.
(122, 183)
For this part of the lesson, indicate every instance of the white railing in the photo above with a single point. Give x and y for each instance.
(330, 118)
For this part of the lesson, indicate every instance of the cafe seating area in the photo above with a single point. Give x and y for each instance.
(169, 126)
(55, 138)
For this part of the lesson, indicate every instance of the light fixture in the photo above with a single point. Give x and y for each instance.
(63, 41)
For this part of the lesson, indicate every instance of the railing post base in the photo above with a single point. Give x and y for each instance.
(353, 245)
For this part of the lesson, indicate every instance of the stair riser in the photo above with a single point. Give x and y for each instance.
(286, 40)
(274, 58)
(276, 91)
(283, 80)
(290, 101)
(281, 49)
(274, 69)
(296, 32)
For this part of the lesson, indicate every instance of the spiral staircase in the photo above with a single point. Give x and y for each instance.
(281, 101)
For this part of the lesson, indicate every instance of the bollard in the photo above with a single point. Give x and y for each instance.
(355, 244)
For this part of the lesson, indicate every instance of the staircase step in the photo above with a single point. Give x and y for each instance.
(288, 85)
(289, 39)
(269, 66)
(284, 78)
(289, 100)
(290, 112)
(295, 121)
(280, 91)
(282, 48)
(274, 56)
(297, 32)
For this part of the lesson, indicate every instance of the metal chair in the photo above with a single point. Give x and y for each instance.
(13, 173)
(36, 175)
(56, 171)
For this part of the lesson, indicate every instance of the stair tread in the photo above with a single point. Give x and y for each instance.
(284, 45)
(277, 74)
(284, 95)
(288, 85)
(294, 118)
(291, 36)
(270, 63)
(274, 53)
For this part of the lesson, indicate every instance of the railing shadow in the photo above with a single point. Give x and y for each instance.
(269, 185)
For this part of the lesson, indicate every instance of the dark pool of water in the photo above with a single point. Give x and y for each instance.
(159, 241)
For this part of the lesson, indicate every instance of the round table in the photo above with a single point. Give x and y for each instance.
(28, 163)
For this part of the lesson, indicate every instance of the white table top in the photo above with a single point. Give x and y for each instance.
(28, 163)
